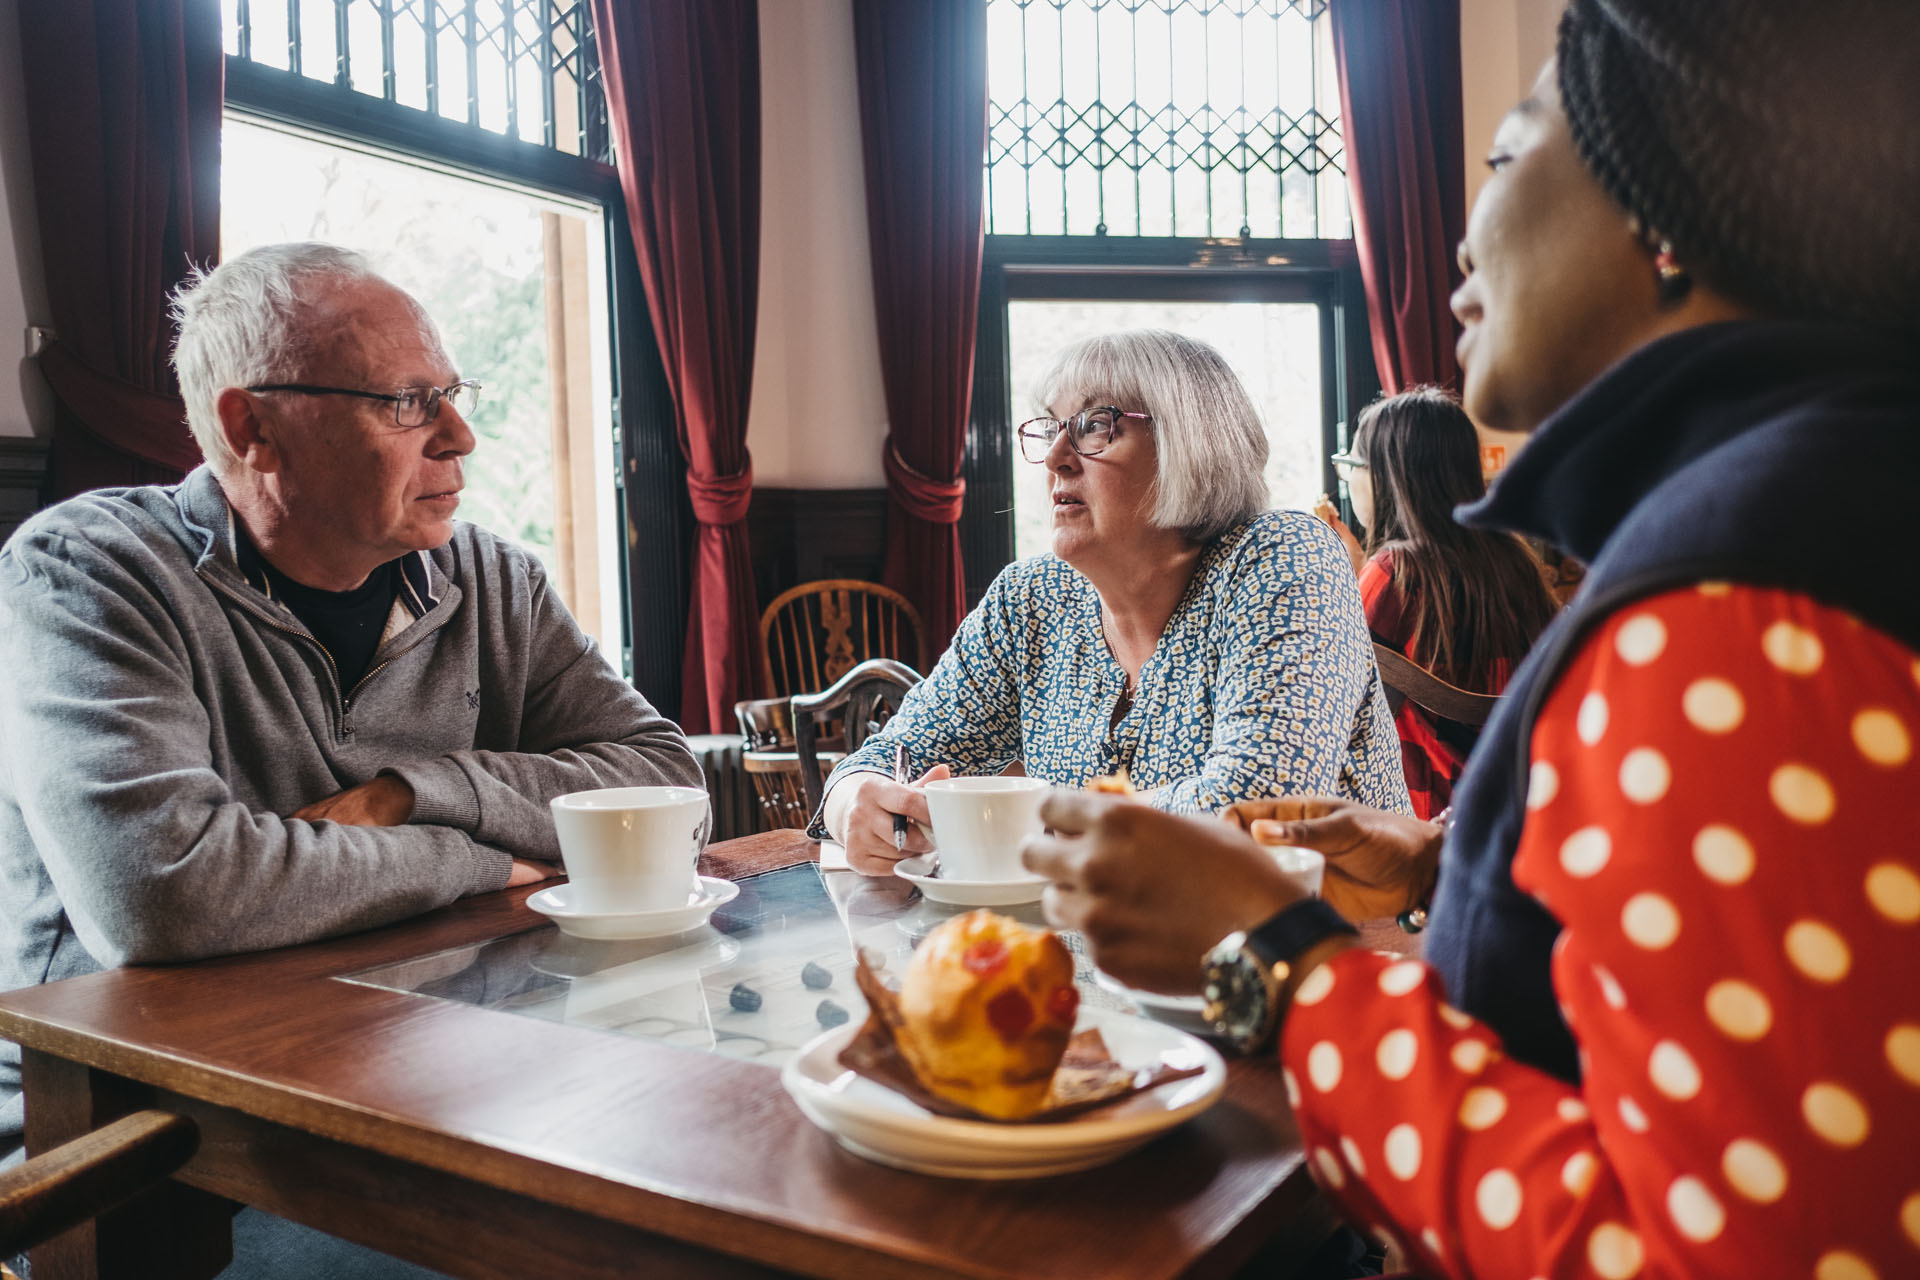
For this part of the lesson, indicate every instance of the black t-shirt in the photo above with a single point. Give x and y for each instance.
(348, 624)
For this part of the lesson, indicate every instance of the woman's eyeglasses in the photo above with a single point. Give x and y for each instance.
(1089, 431)
(1349, 461)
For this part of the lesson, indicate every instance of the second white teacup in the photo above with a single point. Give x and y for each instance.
(978, 824)
(631, 849)
(1305, 867)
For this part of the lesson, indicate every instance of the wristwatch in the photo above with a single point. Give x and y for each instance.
(1249, 974)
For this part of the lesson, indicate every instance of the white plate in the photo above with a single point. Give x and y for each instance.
(1185, 1012)
(923, 874)
(711, 894)
(872, 1120)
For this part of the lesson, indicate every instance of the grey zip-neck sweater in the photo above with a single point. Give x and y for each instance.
(160, 715)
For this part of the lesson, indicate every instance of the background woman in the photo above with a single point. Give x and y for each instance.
(1464, 603)
(1667, 1030)
(1213, 650)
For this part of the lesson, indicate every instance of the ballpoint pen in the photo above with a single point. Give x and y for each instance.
(902, 771)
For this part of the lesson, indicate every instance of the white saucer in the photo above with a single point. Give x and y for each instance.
(711, 894)
(873, 1121)
(922, 873)
(1185, 1012)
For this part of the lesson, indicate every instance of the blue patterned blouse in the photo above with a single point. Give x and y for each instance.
(1262, 684)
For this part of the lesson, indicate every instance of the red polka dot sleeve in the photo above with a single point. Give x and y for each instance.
(1722, 817)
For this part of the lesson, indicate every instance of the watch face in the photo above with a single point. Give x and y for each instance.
(1236, 997)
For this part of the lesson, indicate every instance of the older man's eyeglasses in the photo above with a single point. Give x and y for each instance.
(1089, 431)
(412, 406)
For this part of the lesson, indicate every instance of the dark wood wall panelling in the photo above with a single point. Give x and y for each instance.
(799, 535)
(23, 465)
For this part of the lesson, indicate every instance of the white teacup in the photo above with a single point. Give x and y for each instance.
(978, 824)
(1305, 867)
(631, 848)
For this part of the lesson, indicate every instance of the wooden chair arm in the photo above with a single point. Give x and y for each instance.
(79, 1180)
(809, 707)
(1429, 692)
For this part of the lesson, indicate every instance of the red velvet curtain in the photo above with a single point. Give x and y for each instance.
(683, 95)
(1399, 65)
(123, 113)
(922, 75)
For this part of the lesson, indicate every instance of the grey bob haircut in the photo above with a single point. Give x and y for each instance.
(1211, 447)
(247, 322)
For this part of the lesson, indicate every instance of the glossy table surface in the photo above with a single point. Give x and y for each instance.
(476, 1093)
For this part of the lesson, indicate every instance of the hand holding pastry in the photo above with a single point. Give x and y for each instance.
(1330, 514)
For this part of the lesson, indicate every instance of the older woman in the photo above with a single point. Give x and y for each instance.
(1668, 1030)
(1214, 651)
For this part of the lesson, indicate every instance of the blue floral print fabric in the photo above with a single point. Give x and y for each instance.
(1262, 684)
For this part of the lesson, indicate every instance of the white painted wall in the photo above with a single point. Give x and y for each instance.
(26, 405)
(1503, 45)
(818, 418)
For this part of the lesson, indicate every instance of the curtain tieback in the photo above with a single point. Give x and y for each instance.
(147, 424)
(719, 500)
(925, 498)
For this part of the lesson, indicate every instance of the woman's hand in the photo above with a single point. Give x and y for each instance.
(1378, 863)
(1152, 892)
(860, 812)
(1329, 513)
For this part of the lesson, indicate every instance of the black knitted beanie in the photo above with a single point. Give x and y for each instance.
(1774, 143)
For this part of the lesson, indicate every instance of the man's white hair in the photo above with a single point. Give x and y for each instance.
(1212, 450)
(246, 322)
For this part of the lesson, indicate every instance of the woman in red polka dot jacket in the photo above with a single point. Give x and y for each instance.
(1668, 1024)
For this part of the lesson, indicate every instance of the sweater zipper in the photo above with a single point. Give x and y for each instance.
(343, 701)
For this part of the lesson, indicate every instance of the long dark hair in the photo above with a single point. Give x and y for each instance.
(1474, 597)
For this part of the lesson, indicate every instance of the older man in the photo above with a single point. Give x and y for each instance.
(289, 697)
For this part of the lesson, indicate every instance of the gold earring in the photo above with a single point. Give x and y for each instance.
(1671, 280)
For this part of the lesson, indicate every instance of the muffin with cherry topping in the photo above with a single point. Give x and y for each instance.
(987, 1007)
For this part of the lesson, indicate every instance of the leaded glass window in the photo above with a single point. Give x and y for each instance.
(1203, 118)
(527, 69)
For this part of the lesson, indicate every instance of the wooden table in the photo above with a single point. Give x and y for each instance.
(489, 1145)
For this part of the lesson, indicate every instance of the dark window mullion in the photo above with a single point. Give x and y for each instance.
(293, 36)
(430, 23)
(507, 33)
(389, 71)
(549, 122)
(473, 64)
(342, 52)
(243, 14)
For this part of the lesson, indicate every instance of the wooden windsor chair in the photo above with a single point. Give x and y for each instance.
(770, 760)
(815, 633)
(863, 699)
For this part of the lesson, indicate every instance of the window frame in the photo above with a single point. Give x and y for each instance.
(650, 497)
(1018, 268)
